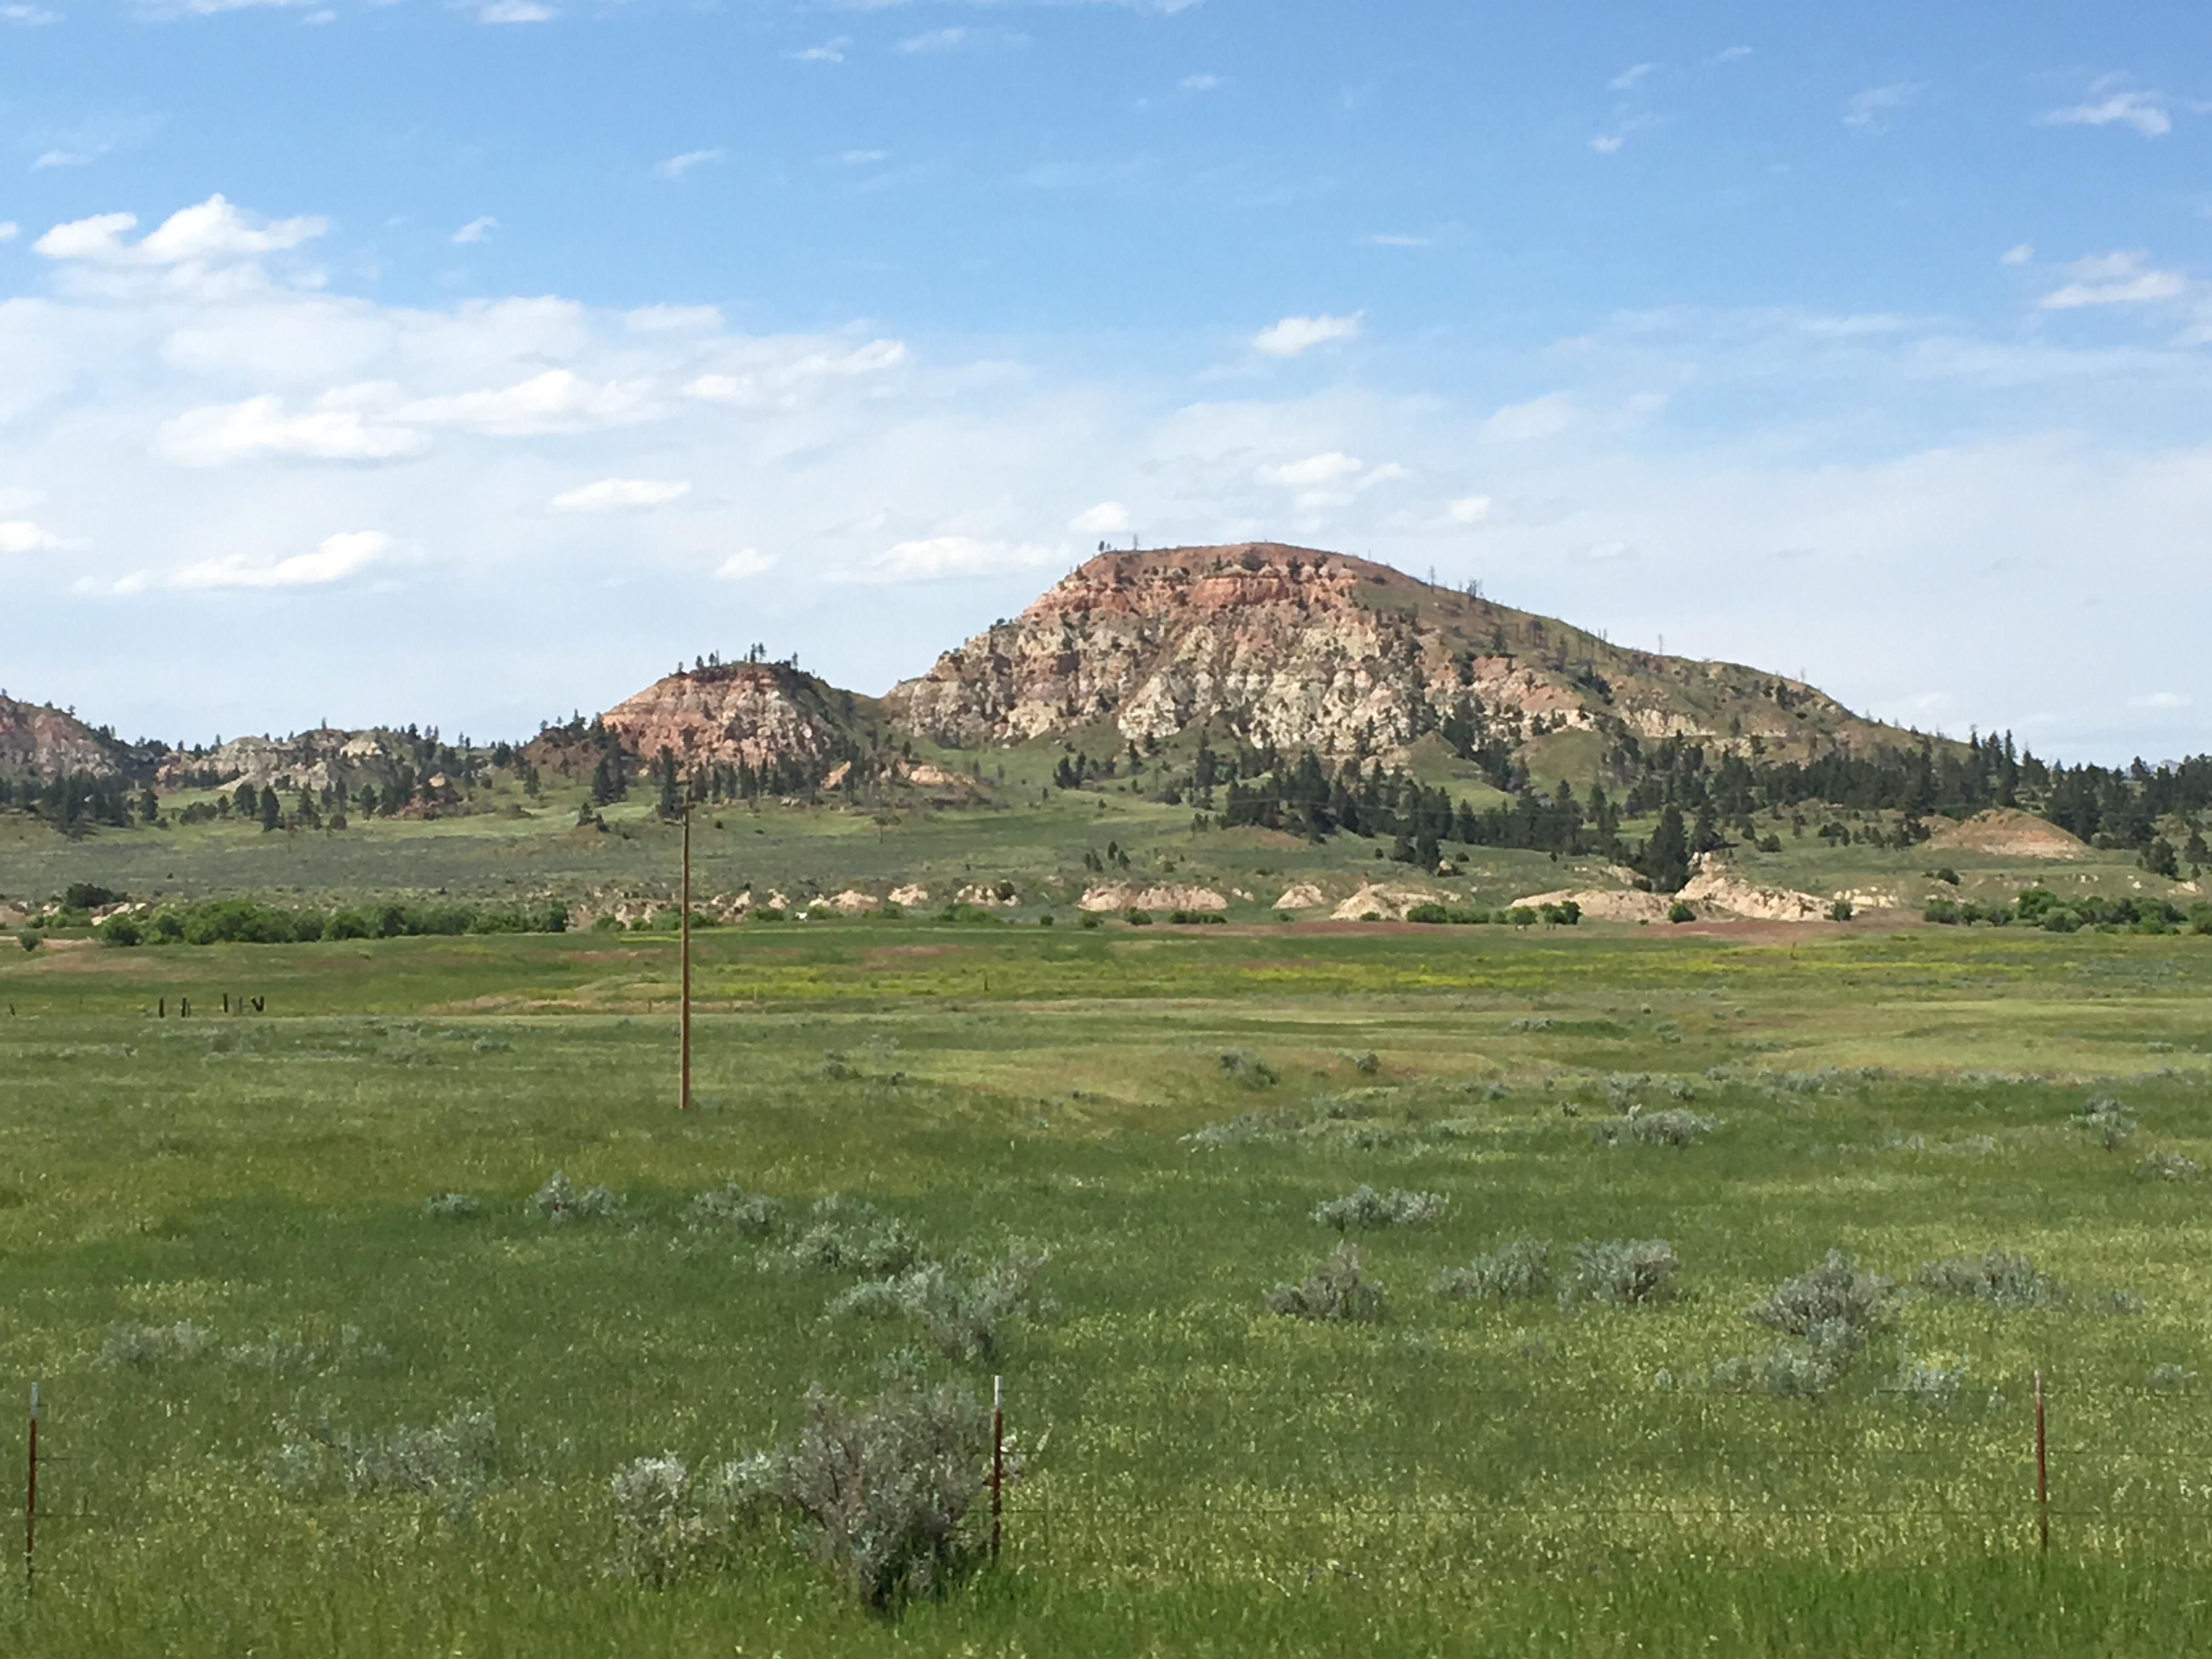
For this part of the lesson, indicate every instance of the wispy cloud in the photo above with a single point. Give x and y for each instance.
(1294, 337)
(1199, 82)
(611, 495)
(477, 230)
(22, 536)
(2115, 279)
(1390, 239)
(2161, 700)
(28, 17)
(829, 51)
(1869, 111)
(676, 165)
(743, 564)
(1732, 55)
(2020, 254)
(863, 158)
(2146, 112)
(344, 555)
(939, 557)
(1628, 77)
(945, 40)
(1107, 519)
(63, 158)
(515, 11)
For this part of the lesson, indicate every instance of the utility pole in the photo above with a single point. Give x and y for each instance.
(685, 1103)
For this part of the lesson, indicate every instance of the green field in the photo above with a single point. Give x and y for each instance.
(1203, 1476)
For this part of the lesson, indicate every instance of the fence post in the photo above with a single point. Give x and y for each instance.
(998, 1459)
(2042, 1471)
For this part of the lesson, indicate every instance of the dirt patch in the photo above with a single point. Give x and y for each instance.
(1303, 897)
(2006, 832)
(1389, 903)
(1604, 904)
(1127, 895)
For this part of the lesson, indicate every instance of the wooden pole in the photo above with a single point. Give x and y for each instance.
(2042, 1471)
(998, 1458)
(685, 1019)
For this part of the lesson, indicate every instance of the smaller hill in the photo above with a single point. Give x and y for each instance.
(38, 740)
(2007, 833)
(771, 722)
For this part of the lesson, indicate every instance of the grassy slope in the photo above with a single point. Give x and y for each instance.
(1031, 834)
(1457, 1479)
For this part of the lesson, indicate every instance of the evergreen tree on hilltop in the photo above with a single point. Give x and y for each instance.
(272, 810)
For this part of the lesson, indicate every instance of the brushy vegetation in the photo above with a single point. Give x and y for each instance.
(1996, 1279)
(1364, 1209)
(1518, 1272)
(846, 1236)
(1340, 1289)
(1621, 1273)
(560, 1201)
(261, 1182)
(958, 1306)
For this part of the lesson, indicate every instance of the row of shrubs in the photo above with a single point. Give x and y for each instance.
(1565, 913)
(244, 922)
(2039, 907)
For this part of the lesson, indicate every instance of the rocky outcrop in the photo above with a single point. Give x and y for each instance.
(326, 758)
(2005, 832)
(1130, 896)
(1306, 649)
(1384, 903)
(38, 741)
(1604, 904)
(769, 717)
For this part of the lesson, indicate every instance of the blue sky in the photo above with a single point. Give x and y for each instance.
(469, 364)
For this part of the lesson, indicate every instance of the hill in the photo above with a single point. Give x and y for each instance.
(39, 741)
(1296, 648)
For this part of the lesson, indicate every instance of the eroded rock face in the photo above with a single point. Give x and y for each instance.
(763, 715)
(1307, 649)
(326, 758)
(41, 742)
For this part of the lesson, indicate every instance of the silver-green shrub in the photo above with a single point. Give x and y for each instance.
(1622, 1273)
(1925, 1382)
(1851, 1305)
(1997, 1278)
(846, 1235)
(883, 1492)
(1339, 1289)
(450, 1461)
(2167, 1166)
(959, 1307)
(1364, 1208)
(2107, 1119)
(1248, 1069)
(730, 1205)
(451, 1206)
(1518, 1272)
(146, 1345)
(560, 1202)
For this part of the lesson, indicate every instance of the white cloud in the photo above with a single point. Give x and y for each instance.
(676, 165)
(1294, 337)
(1199, 82)
(1332, 467)
(781, 381)
(942, 39)
(829, 51)
(1384, 239)
(28, 17)
(515, 11)
(477, 230)
(22, 536)
(559, 400)
(344, 555)
(62, 158)
(1869, 111)
(1607, 551)
(211, 230)
(2019, 254)
(2161, 700)
(10, 230)
(2144, 111)
(863, 158)
(1732, 55)
(1608, 143)
(743, 564)
(1107, 519)
(2114, 279)
(1467, 509)
(216, 435)
(1628, 77)
(939, 557)
(609, 494)
(1540, 417)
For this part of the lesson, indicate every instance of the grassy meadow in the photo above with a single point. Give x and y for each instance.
(1161, 1111)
